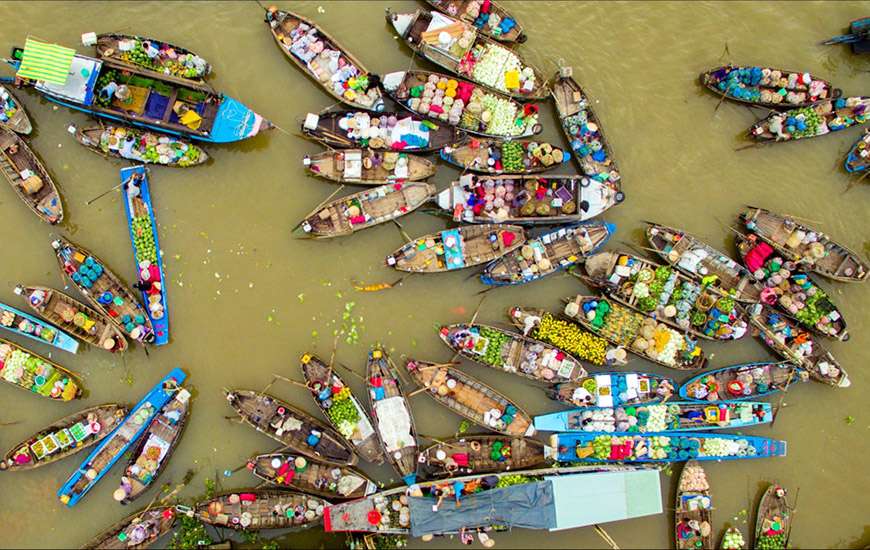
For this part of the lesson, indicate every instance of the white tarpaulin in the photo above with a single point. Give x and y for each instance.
(394, 423)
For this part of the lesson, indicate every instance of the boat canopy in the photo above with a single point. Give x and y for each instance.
(80, 82)
(45, 62)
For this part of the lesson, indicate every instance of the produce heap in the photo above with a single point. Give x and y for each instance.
(143, 239)
(515, 157)
(149, 147)
(650, 388)
(106, 76)
(341, 410)
(748, 381)
(817, 120)
(588, 145)
(494, 341)
(499, 68)
(571, 338)
(8, 107)
(733, 540)
(514, 479)
(638, 447)
(758, 84)
(167, 61)
(32, 373)
(43, 332)
(647, 418)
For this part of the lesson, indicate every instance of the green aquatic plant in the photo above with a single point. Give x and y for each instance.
(191, 533)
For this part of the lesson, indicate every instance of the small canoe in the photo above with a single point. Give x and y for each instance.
(532, 200)
(773, 520)
(82, 321)
(457, 248)
(324, 60)
(368, 166)
(798, 242)
(702, 262)
(255, 509)
(584, 132)
(297, 430)
(347, 215)
(381, 131)
(137, 531)
(797, 345)
(298, 473)
(24, 324)
(743, 381)
(489, 18)
(468, 53)
(567, 335)
(151, 454)
(613, 389)
(819, 119)
(494, 156)
(147, 254)
(757, 85)
(693, 511)
(482, 454)
(12, 114)
(471, 398)
(138, 145)
(37, 188)
(665, 294)
(338, 404)
(858, 37)
(152, 56)
(732, 539)
(858, 158)
(103, 289)
(64, 438)
(642, 335)
(29, 371)
(791, 290)
(512, 352)
(472, 109)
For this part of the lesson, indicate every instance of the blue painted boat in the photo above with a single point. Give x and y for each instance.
(147, 256)
(658, 417)
(858, 37)
(113, 447)
(612, 389)
(603, 447)
(743, 381)
(27, 325)
(858, 159)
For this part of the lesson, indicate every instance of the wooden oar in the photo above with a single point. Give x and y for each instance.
(101, 195)
(607, 538)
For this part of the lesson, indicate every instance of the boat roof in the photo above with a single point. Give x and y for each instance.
(79, 84)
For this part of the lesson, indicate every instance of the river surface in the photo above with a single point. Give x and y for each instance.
(246, 299)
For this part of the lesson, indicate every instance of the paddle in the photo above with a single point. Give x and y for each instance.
(101, 195)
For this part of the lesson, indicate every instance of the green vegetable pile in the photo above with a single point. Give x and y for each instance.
(771, 542)
(512, 154)
(343, 413)
(571, 338)
(143, 239)
(495, 342)
(815, 307)
(811, 119)
(512, 479)
(110, 75)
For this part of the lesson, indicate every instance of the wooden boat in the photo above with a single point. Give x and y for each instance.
(381, 131)
(169, 59)
(798, 242)
(732, 539)
(758, 85)
(291, 427)
(818, 119)
(797, 345)
(137, 531)
(335, 399)
(358, 211)
(104, 290)
(702, 262)
(693, 512)
(743, 381)
(13, 116)
(113, 447)
(665, 294)
(457, 248)
(525, 199)
(151, 454)
(482, 454)
(493, 22)
(29, 371)
(858, 158)
(549, 253)
(774, 518)
(512, 352)
(584, 131)
(470, 398)
(255, 509)
(391, 415)
(472, 109)
(858, 37)
(494, 156)
(468, 53)
(298, 473)
(37, 190)
(611, 389)
(797, 296)
(368, 166)
(64, 438)
(147, 254)
(297, 36)
(138, 145)
(24, 324)
(82, 321)
(623, 326)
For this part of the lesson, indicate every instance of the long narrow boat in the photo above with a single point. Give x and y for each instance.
(471, 398)
(489, 18)
(642, 335)
(324, 60)
(29, 371)
(665, 294)
(549, 253)
(774, 518)
(526, 199)
(147, 254)
(138, 145)
(798, 242)
(137, 531)
(512, 352)
(468, 53)
(693, 511)
(612, 389)
(82, 321)
(495, 156)
(12, 114)
(24, 324)
(482, 454)
(743, 381)
(255, 509)
(113, 447)
(461, 104)
(358, 211)
(391, 415)
(584, 132)
(858, 157)
(29, 178)
(368, 166)
(103, 289)
(151, 455)
(458, 248)
(818, 119)
(756, 85)
(64, 438)
(704, 263)
(858, 37)
(152, 56)
(305, 474)
(379, 131)
(732, 539)
(296, 430)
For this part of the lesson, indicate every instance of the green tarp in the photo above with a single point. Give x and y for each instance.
(45, 62)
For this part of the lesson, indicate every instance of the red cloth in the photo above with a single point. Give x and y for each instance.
(461, 459)
(508, 237)
(756, 257)
(484, 8)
